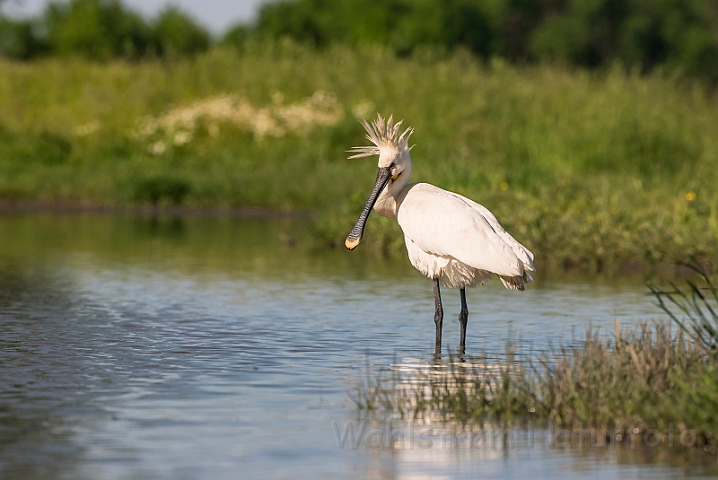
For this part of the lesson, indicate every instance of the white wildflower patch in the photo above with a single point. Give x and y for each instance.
(158, 148)
(182, 137)
(277, 97)
(180, 125)
(361, 110)
(87, 129)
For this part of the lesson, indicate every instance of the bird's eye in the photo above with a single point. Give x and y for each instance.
(391, 167)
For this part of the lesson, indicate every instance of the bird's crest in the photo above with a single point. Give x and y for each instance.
(385, 135)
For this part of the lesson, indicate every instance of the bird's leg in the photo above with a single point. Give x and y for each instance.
(438, 312)
(463, 317)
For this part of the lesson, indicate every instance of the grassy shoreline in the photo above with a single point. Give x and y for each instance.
(643, 380)
(585, 168)
(152, 210)
(648, 381)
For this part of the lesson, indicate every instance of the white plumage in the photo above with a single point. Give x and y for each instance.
(459, 241)
(449, 238)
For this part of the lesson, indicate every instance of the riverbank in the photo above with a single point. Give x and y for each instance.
(645, 384)
(586, 169)
(152, 211)
(653, 381)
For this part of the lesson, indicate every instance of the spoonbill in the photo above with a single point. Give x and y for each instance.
(449, 238)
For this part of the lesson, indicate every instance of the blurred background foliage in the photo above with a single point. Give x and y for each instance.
(101, 30)
(680, 34)
(588, 128)
(585, 167)
(677, 35)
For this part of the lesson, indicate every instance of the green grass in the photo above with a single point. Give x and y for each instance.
(641, 380)
(594, 168)
(645, 379)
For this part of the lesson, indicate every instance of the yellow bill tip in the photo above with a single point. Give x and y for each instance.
(352, 244)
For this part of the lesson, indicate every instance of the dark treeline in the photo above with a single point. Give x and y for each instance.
(100, 30)
(679, 35)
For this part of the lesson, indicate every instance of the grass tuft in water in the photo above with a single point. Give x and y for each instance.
(649, 379)
(698, 302)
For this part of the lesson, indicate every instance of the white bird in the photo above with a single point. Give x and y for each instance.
(449, 238)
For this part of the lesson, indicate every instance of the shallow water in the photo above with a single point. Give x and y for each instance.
(207, 348)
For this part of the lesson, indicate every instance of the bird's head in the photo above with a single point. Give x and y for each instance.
(392, 147)
(389, 143)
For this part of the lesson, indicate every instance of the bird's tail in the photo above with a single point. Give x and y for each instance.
(517, 283)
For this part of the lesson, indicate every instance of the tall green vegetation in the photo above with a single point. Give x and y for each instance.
(694, 308)
(583, 167)
(645, 382)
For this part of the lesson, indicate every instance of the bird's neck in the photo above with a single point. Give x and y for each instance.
(386, 203)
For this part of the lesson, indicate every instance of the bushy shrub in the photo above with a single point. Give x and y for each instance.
(683, 35)
(100, 30)
(21, 39)
(176, 33)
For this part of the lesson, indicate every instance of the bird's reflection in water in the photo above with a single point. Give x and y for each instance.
(455, 390)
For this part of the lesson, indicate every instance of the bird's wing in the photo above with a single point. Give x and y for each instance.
(523, 253)
(445, 224)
